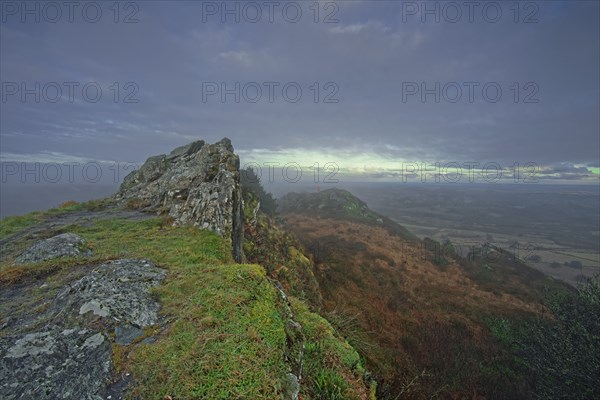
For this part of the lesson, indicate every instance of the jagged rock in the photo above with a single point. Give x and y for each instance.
(197, 184)
(186, 150)
(294, 352)
(64, 245)
(251, 208)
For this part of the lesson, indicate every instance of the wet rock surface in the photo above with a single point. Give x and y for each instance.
(64, 350)
(63, 245)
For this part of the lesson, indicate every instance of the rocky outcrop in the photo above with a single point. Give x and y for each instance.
(57, 364)
(197, 184)
(63, 348)
(294, 354)
(119, 290)
(64, 245)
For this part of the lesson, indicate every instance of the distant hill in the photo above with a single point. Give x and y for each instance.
(339, 204)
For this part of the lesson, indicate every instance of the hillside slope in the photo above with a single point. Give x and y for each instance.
(418, 313)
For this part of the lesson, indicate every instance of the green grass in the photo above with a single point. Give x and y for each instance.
(227, 340)
(226, 335)
(332, 368)
(11, 225)
(14, 224)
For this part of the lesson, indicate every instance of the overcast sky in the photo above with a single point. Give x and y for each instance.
(367, 61)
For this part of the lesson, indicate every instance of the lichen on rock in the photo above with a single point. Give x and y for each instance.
(63, 245)
(56, 363)
(65, 351)
(118, 289)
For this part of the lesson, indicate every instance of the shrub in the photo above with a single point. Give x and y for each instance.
(560, 356)
(68, 204)
(95, 205)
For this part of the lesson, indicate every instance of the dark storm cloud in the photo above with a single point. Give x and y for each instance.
(371, 54)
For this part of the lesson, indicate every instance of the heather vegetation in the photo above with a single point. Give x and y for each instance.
(427, 320)
(558, 354)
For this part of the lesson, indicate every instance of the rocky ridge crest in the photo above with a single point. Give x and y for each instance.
(197, 184)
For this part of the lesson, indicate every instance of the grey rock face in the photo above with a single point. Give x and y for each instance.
(197, 184)
(64, 245)
(119, 290)
(56, 364)
(65, 352)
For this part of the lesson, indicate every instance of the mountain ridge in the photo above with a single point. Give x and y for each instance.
(224, 329)
(324, 299)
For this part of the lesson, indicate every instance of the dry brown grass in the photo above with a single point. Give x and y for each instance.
(417, 315)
